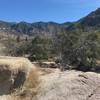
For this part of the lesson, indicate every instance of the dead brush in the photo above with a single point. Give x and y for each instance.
(30, 87)
(33, 79)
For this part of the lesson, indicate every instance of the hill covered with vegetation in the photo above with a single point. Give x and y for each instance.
(74, 44)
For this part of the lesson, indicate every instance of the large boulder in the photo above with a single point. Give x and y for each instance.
(57, 85)
(69, 85)
(16, 72)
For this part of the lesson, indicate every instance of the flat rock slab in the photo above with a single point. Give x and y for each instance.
(70, 85)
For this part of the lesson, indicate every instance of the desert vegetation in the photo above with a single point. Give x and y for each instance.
(69, 48)
(50, 61)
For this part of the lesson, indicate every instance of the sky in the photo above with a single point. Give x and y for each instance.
(46, 10)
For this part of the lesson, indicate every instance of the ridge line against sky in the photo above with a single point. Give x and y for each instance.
(46, 10)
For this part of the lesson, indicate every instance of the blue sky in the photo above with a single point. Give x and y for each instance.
(46, 10)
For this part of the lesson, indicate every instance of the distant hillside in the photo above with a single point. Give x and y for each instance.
(88, 23)
(38, 28)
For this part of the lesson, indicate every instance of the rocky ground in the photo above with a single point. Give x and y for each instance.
(57, 85)
(70, 85)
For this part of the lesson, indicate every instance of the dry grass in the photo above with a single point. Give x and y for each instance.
(14, 65)
(33, 79)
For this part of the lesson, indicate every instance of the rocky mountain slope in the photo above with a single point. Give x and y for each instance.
(88, 23)
(39, 28)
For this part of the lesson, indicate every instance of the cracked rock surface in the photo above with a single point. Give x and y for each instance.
(70, 85)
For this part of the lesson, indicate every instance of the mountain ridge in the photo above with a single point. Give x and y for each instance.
(87, 23)
(91, 22)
